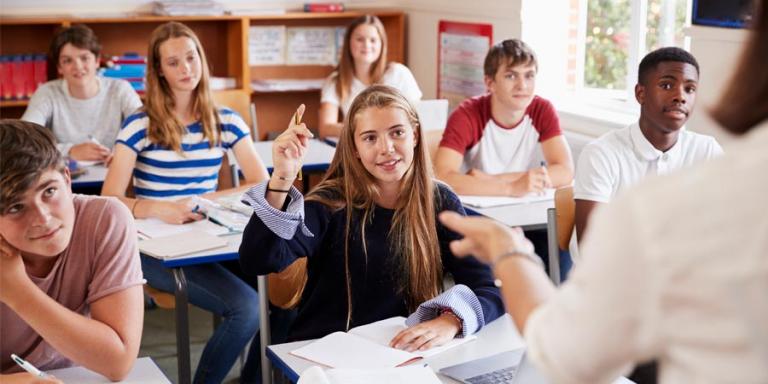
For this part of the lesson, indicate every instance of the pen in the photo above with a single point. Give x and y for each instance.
(27, 366)
(298, 121)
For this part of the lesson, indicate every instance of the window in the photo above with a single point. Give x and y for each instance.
(608, 38)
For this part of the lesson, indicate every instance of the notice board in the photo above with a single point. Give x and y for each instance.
(461, 52)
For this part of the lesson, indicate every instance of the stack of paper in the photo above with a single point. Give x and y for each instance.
(187, 8)
(181, 244)
(495, 201)
(367, 347)
(415, 374)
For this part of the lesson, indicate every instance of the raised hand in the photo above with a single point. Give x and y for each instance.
(289, 149)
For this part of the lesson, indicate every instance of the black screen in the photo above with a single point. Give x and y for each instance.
(722, 13)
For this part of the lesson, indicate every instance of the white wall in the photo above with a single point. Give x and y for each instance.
(716, 50)
(424, 15)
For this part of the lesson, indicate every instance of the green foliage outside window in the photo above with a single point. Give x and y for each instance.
(607, 43)
(608, 34)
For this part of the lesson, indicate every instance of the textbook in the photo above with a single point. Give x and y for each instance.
(180, 244)
(367, 347)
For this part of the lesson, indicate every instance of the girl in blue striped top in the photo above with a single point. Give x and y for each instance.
(173, 150)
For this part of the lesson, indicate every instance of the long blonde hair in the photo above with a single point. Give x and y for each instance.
(413, 235)
(346, 68)
(164, 127)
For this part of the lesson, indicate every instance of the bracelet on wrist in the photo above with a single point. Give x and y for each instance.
(516, 253)
(277, 190)
(283, 178)
(450, 313)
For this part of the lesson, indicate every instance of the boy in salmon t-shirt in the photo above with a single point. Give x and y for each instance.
(70, 278)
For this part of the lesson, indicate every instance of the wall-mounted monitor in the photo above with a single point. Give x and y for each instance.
(722, 13)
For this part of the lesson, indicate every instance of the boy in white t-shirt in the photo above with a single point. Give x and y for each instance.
(655, 144)
(490, 140)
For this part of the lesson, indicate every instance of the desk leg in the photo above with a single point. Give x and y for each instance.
(182, 327)
(264, 331)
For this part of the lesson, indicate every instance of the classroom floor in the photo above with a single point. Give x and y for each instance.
(159, 340)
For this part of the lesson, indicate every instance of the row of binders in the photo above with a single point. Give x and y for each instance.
(20, 75)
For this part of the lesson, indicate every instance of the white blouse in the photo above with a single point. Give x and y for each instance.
(675, 269)
(396, 75)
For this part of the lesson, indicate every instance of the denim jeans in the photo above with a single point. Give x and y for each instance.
(215, 289)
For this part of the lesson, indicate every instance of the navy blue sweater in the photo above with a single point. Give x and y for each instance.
(376, 292)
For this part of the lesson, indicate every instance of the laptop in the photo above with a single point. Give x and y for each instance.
(510, 367)
(501, 368)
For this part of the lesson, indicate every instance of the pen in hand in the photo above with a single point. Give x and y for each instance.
(27, 366)
(298, 121)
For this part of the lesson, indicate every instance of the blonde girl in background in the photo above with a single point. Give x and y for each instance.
(173, 150)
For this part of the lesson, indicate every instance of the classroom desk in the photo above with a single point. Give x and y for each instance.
(92, 178)
(528, 216)
(145, 371)
(498, 336)
(230, 252)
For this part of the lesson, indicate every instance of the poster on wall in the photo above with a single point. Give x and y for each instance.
(461, 52)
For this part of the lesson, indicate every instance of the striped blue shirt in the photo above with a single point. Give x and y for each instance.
(164, 174)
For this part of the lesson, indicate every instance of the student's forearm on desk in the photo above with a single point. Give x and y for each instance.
(464, 184)
(87, 341)
(560, 174)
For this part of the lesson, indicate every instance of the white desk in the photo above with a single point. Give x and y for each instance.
(498, 336)
(92, 178)
(528, 216)
(145, 371)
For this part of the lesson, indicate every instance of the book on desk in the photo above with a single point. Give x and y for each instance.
(367, 347)
(224, 216)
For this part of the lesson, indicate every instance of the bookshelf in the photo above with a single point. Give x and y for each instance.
(225, 40)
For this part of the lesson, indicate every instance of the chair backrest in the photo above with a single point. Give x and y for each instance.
(433, 115)
(565, 208)
(240, 102)
(560, 221)
(286, 287)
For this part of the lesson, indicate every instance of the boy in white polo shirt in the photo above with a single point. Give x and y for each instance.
(490, 140)
(655, 144)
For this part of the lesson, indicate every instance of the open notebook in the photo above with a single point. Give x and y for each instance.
(367, 347)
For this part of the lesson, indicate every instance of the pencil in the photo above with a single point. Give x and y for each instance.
(298, 121)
